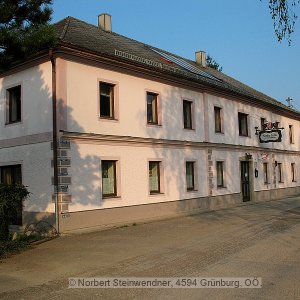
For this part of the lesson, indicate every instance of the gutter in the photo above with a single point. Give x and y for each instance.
(54, 139)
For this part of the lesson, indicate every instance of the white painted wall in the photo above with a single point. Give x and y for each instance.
(36, 173)
(133, 167)
(83, 110)
(230, 110)
(83, 105)
(36, 89)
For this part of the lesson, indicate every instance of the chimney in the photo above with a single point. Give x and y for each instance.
(104, 22)
(201, 58)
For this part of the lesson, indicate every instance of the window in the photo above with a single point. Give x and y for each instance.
(291, 134)
(190, 176)
(154, 177)
(106, 100)
(11, 174)
(262, 124)
(293, 171)
(152, 117)
(220, 173)
(187, 114)
(265, 170)
(109, 181)
(218, 120)
(243, 124)
(14, 104)
(279, 166)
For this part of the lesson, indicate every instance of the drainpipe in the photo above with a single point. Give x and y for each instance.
(54, 139)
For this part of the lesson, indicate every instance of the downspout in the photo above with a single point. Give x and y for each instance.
(54, 139)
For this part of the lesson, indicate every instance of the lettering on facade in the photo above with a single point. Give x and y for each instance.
(155, 64)
(270, 136)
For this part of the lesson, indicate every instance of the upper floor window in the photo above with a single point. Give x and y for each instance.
(262, 124)
(152, 115)
(218, 119)
(190, 175)
(106, 100)
(291, 134)
(109, 178)
(243, 124)
(14, 104)
(187, 114)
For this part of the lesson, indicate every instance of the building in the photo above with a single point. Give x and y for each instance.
(141, 133)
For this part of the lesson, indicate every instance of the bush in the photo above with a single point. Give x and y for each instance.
(10, 197)
(13, 246)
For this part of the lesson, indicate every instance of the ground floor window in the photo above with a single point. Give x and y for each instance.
(190, 175)
(13, 175)
(220, 173)
(293, 172)
(109, 180)
(154, 177)
(279, 166)
(265, 172)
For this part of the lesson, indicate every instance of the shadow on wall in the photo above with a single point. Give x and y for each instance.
(36, 158)
(35, 119)
(173, 159)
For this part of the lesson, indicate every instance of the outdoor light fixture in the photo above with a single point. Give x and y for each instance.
(248, 155)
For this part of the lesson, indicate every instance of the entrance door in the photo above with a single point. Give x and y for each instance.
(245, 180)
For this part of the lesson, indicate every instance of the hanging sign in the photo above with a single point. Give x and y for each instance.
(270, 136)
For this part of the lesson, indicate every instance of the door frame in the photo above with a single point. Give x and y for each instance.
(249, 160)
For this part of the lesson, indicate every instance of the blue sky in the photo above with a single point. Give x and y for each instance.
(238, 34)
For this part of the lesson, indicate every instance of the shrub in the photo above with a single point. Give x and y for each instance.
(10, 197)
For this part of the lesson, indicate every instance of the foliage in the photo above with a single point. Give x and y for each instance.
(283, 17)
(24, 29)
(212, 63)
(9, 246)
(10, 196)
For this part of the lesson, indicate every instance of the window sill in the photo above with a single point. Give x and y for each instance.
(280, 181)
(244, 136)
(219, 132)
(221, 187)
(190, 191)
(13, 123)
(156, 194)
(154, 124)
(111, 197)
(107, 119)
(190, 129)
(294, 180)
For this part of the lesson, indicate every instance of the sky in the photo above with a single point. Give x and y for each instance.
(238, 34)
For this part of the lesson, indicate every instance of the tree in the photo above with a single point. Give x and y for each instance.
(212, 63)
(283, 17)
(24, 29)
(10, 197)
